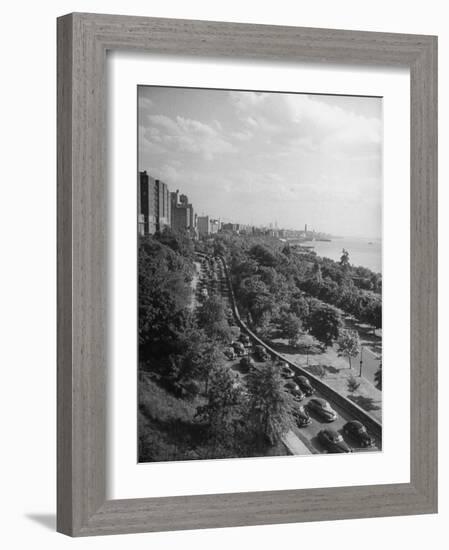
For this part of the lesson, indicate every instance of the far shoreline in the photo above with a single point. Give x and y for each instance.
(346, 243)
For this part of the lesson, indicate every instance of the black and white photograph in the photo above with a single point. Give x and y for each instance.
(259, 221)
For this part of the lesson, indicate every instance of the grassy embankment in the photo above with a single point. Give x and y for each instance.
(168, 429)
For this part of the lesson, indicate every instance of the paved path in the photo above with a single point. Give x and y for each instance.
(294, 444)
(337, 372)
(372, 349)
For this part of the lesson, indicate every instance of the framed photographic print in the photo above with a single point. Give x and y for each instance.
(246, 274)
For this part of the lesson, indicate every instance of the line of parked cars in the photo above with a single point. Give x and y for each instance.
(332, 440)
(300, 387)
(354, 430)
(239, 348)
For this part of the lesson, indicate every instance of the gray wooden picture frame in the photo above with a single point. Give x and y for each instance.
(83, 40)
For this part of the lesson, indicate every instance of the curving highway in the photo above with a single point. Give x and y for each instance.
(214, 276)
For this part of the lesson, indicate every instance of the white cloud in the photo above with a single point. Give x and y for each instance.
(299, 120)
(254, 157)
(185, 135)
(242, 136)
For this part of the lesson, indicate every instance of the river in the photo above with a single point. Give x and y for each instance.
(362, 252)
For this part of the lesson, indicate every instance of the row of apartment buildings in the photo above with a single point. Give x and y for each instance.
(159, 208)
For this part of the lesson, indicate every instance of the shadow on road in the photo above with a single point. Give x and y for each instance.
(366, 403)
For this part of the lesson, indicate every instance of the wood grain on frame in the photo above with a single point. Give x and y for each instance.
(83, 40)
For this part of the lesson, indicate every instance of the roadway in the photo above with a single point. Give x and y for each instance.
(308, 434)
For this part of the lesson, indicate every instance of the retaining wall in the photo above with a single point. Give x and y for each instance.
(356, 412)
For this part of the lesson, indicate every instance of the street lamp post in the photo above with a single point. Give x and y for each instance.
(361, 361)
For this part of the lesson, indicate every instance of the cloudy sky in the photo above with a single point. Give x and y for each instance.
(259, 158)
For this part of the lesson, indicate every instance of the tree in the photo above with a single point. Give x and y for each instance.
(373, 315)
(179, 241)
(190, 362)
(255, 297)
(263, 255)
(300, 306)
(287, 250)
(164, 292)
(353, 384)
(291, 327)
(212, 318)
(224, 406)
(318, 370)
(348, 344)
(219, 247)
(344, 260)
(317, 273)
(200, 357)
(269, 406)
(378, 377)
(307, 343)
(324, 322)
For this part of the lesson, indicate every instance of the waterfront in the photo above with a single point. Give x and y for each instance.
(361, 252)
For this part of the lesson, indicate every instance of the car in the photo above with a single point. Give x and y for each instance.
(357, 431)
(246, 363)
(301, 416)
(260, 352)
(305, 385)
(286, 371)
(322, 409)
(333, 441)
(294, 389)
(238, 348)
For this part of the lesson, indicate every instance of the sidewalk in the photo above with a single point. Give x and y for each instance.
(294, 445)
(336, 372)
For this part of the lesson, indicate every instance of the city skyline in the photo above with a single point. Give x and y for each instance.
(257, 158)
(154, 214)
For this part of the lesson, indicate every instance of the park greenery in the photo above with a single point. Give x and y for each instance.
(353, 384)
(182, 367)
(299, 292)
(348, 344)
(192, 404)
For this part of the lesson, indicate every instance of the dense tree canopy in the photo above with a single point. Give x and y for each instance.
(324, 322)
(223, 409)
(291, 326)
(212, 318)
(164, 292)
(270, 406)
(269, 282)
(278, 290)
